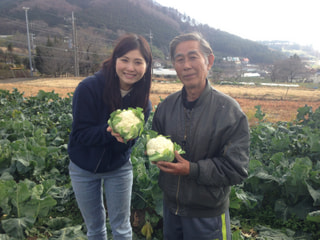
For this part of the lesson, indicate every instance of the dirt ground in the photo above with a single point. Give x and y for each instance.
(279, 103)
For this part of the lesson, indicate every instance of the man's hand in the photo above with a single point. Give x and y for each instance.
(182, 167)
(116, 135)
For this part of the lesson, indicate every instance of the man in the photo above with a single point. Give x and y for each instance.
(212, 129)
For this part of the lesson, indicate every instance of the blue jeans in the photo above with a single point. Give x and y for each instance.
(88, 189)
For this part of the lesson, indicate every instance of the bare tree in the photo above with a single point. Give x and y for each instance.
(288, 70)
(92, 51)
(294, 67)
(54, 59)
(10, 55)
(275, 72)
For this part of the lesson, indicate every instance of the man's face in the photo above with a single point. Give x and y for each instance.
(190, 64)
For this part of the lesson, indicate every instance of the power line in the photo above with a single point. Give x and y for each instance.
(54, 48)
(37, 28)
(89, 39)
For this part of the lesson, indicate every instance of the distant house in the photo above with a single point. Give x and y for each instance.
(245, 60)
(251, 74)
(5, 36)
(236, 60)
(157, 65)
(316, 76)
(164, 72)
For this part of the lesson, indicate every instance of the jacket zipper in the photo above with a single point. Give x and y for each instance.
(100, 160)
(179, 179)
(177, 195)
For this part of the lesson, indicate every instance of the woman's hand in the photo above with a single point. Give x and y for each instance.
(116, 135)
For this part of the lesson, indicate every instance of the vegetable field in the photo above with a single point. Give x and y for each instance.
(279, 200)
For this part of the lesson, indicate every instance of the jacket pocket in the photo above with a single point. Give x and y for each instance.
(200, 196)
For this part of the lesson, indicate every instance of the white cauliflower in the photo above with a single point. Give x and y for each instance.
(159, 145)
(128, 123)
(129, 119)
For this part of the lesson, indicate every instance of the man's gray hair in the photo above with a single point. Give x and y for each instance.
(194, 36)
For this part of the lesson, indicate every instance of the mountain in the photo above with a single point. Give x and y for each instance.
(99, 22)
(306, 52)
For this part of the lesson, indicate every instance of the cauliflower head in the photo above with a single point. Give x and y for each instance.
(161, 148)
(129, 119)
(159, 145)
(128, 122)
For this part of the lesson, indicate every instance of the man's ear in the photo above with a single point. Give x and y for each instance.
(210, 60)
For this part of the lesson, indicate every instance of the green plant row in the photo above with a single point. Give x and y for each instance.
(280, 199)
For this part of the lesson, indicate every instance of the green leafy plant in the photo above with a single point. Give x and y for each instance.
(280, 199)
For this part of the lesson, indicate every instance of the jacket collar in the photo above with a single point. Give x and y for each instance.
(199, 100)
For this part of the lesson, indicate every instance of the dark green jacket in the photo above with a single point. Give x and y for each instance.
(215, 136)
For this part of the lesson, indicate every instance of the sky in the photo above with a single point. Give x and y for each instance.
(289, 20)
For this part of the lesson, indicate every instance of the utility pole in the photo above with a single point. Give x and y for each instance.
(75, 48)
(150, 37)
(29, 48)
(32, 41)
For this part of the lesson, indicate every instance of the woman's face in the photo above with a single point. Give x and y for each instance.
(130, 68)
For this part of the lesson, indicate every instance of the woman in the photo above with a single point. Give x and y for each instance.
(99, 158)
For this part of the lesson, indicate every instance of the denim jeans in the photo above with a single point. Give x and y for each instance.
(88, 189)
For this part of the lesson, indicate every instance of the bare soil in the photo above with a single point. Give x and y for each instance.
(278, 103)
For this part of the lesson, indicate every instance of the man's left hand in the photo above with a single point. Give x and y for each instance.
(181, 167)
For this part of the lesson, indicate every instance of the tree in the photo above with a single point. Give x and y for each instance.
(2, 56)
(294, 67)
(274, 73)
(89, 62)
(288, 70)
(53, 59)
(10, 50)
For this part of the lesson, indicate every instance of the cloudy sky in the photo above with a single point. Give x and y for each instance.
(296, 21)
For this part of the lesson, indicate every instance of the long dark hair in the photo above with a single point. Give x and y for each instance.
(141, 89)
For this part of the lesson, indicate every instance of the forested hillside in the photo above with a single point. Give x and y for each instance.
(100, 21)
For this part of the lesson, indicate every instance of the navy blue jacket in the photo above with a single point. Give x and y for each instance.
(90, 146)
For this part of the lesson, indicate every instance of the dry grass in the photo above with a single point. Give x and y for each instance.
(252, 92)
(279, 103)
